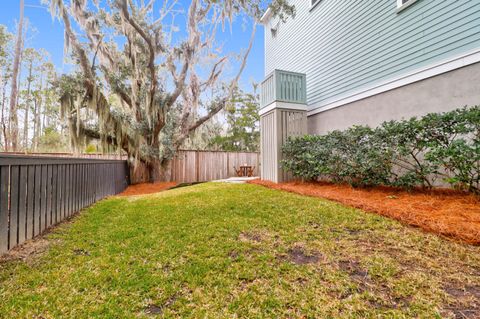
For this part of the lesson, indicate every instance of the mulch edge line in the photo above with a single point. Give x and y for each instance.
(405, 221)
(125, 194)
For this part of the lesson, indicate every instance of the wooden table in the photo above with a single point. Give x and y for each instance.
(246, 170)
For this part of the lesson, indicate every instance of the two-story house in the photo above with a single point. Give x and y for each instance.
(339, 63)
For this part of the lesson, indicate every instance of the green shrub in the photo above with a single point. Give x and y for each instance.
(307, 156)
(455, 148)
(408, 153)
(355, 156)
(359, 157)
(407, 143)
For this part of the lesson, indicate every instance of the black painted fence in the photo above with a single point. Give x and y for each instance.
(39, 192)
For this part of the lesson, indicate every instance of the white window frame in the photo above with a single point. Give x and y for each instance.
(401, 6)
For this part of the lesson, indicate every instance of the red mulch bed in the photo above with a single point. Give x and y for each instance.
(446, 212)
(147, 188)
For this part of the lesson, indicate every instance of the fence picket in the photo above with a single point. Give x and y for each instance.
(22, 204)
(30, 221)
(48, 182)
(43, 199)
(4, 212)
(37, 201)
(14, 189)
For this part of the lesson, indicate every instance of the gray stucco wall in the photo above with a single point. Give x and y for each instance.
(441, 93)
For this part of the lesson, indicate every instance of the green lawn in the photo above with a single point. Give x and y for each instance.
(223, 250)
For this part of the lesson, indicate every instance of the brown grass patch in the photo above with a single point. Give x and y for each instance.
(465, 301)
(250, 236)
(448, 213)
(27, 251)
(299, 256)
(147, 188)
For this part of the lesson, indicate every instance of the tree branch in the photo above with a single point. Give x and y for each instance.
(221, 103)
(78, 48)
(188, 54)
(151, 49)
(214, 74)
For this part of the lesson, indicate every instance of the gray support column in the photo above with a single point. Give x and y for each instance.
(282, 114)
(276, 126)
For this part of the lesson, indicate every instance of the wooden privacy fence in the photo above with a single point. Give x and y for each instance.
(37, 192)
(201, 166)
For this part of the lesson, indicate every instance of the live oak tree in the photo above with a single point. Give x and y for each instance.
(150, 78)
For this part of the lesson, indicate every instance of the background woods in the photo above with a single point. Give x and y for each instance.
(243, 132)
(29, 117)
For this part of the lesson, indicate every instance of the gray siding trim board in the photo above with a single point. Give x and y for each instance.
(405, 5)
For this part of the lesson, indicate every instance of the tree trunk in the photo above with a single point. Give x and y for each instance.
(44, 116)
(35, 125)
(4, 120)
(160, 171)
(155, 171)
(27, 107)
(13, 120)
(138, 173)
(38, 109)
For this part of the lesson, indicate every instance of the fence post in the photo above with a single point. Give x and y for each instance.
(228, 165)
(197, 166)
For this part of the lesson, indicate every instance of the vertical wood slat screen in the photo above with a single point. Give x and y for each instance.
(283, 86)
(268, 145)
(37, 192)
(267, 94)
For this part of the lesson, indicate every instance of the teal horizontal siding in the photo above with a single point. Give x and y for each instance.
(347, 45)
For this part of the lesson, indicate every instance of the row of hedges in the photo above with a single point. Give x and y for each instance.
(420, 152)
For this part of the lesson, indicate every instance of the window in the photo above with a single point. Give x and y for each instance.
(402, 4)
